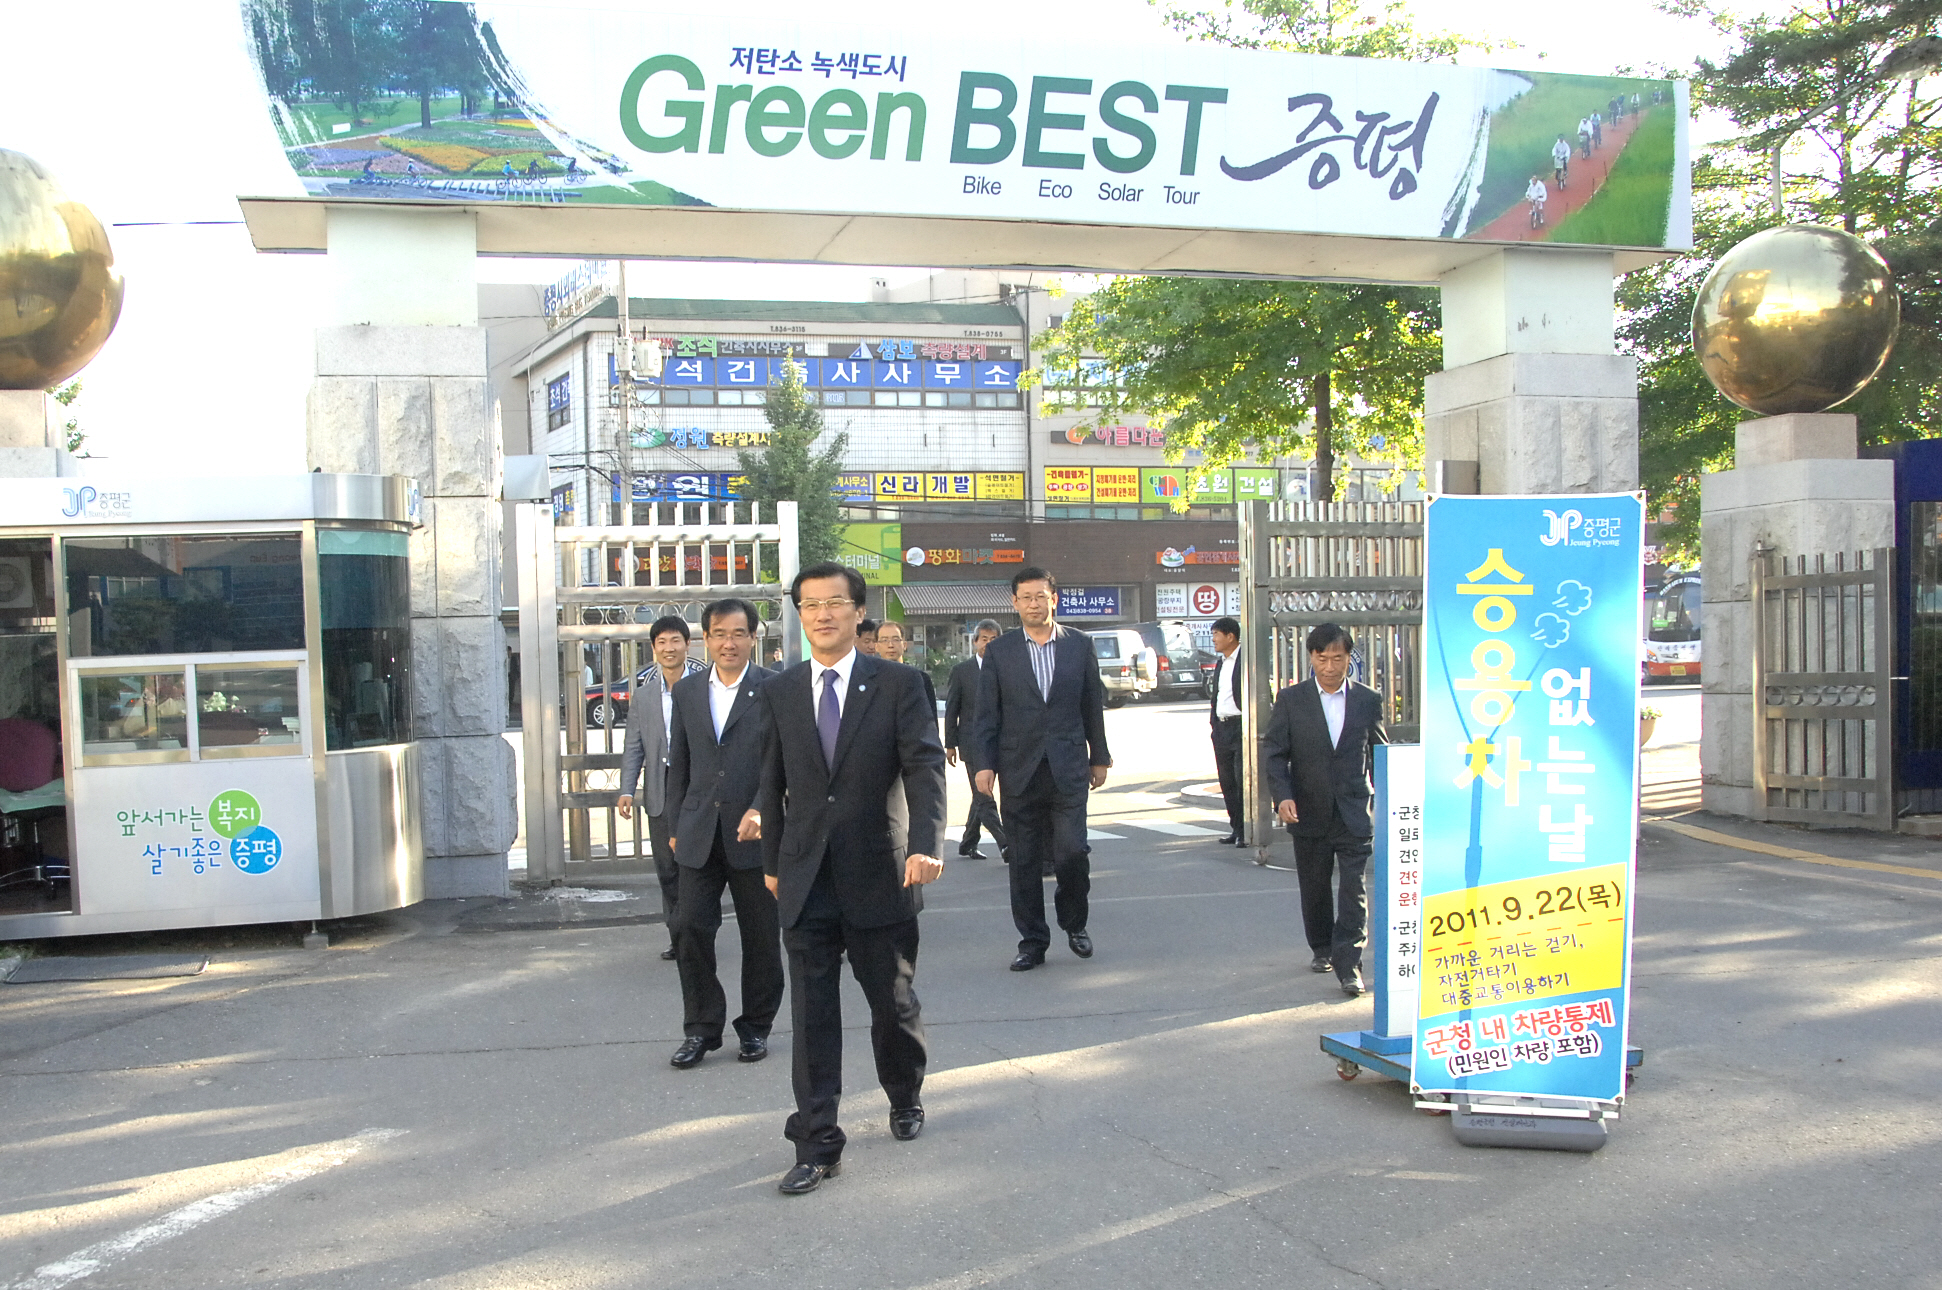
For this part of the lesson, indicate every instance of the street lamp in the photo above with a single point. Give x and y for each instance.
(1908, 62)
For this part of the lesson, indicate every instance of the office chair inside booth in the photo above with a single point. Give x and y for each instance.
(29, 765)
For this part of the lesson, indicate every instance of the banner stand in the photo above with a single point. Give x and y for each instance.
(1395, 895)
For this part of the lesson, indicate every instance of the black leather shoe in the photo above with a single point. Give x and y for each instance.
(1321, 964)
(906, 1122)
(1081, 944)
(692, 1050)
(805, 1178)
(753, 1049)
(668, 954)
(1026, 961)
(1352, 984)
(1231, 840)
(972, 854)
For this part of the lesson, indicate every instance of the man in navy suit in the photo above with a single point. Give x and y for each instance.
(1042, 736)
(1319, 755)
(714, 770)
(1227, 720)
(851, 819)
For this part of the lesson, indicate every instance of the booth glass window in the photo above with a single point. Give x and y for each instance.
(364, 589)
(135, 712)
(248, 711)
(184, 594)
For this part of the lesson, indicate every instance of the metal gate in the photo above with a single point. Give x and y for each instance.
(588, 597)
(1823, 663)
(1357, 564)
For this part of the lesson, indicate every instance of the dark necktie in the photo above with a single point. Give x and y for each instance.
(829, 717)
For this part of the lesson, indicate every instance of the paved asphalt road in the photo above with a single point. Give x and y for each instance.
(425, 1106)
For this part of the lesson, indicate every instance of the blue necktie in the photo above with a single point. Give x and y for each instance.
(829, 717)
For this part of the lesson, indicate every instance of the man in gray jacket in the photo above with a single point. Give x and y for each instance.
(650, 718)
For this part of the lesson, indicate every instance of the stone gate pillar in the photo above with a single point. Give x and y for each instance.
(402, 388)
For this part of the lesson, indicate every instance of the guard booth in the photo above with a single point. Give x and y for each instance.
(205, 702)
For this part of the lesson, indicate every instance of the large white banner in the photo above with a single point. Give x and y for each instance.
(598, 107)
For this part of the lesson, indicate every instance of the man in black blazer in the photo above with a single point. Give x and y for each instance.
(845, 853)
(1225, 716)
(1318, 756)
(1042, 734)
(960, 735)
(714, 771)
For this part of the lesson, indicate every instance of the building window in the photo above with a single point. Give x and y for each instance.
(184, 595)
(364, 590)
(559, 402)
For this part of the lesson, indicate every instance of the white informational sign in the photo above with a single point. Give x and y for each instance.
(637, 105)
(1196, 599)
(1400, 886)
(235, 834)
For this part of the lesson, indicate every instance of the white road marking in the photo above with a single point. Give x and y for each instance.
(955, 833)
(1176, 828)
(87, 1262)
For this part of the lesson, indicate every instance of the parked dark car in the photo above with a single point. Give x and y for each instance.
(1180, 665)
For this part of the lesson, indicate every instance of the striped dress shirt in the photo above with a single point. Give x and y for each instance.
(1042, 661)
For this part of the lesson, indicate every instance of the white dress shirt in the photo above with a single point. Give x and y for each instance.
(721, 697)
(841, 667)
(1335, 709)
(1224, 706)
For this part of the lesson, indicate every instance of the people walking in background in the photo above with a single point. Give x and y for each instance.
(1537, 194)
(843, 730)
(714, 770)
(892, 645)
(1042, 734)
(1224, 713)
(866, 637)
(960, 738)
(1319, 761)
(650, 731)
(1560, 162)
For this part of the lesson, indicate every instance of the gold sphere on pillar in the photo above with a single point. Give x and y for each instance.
(59, 293)
(1795, 319)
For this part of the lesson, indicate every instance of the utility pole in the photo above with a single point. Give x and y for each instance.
(624, 372)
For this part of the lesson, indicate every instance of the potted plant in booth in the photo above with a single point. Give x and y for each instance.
(1648, 719)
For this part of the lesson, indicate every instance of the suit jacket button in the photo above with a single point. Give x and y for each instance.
(832, 797)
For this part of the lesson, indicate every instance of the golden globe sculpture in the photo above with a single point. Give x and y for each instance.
(1795, 319)
(59, 293)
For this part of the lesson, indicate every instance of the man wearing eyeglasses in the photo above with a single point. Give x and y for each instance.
(1042, 735)
(714, 770)
(847, 857)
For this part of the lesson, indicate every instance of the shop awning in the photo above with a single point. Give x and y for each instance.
(948, 598)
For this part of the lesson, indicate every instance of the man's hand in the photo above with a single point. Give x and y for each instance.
(950, 756)
(626, 805)
(919, 870)
(673, 842)
(986, 780)
(750, 828)
(1097, 777)
(770, 881)
(1285, 811)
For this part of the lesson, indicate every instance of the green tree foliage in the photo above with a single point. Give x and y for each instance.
(1349, 28)
(1861, 151)
(790, 470)
(1296, 369)
(352, 52)
(72, 435)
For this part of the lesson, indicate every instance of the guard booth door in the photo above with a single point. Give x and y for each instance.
(588, 599)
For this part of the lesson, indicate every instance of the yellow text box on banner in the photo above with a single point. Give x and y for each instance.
(1116, 484)
(1534, 938)
(1001, 486)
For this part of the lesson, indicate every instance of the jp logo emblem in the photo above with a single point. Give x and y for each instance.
(256, 851)
(234, 813)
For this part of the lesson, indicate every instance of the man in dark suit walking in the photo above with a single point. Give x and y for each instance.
(960, 736)
(644, 761)
(714, 771)
(845, 855)
(1318, 757)
(1225, 716)
(1042, 734)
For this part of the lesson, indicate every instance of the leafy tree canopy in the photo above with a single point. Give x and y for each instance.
(790, 470)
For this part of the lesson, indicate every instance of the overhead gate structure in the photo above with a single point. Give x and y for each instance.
(1823, 664)
(1356, 564)
(588, 598)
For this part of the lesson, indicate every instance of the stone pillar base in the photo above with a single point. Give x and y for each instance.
(23, 419)
(1538, 423)
(455, 877)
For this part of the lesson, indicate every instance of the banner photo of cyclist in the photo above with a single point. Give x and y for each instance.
(545, 104)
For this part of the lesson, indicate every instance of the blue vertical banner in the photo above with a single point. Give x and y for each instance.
(1530, 793)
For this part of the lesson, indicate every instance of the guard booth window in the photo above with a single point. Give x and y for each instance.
(184, 595)
(364, 589)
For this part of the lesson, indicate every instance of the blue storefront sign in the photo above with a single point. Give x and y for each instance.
(1530, 756)
(1089, 602)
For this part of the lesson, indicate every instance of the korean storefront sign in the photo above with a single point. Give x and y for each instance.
(1112, 436)
(876, 551)
(1396, 886)
(1530, 746)
(1176, 558)
(1169, 483)
(1068, 483)
(936, 556)
(1089, 602)
(1116, 484)
(1196, 599)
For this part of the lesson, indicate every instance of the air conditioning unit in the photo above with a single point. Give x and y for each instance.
(16, 582)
